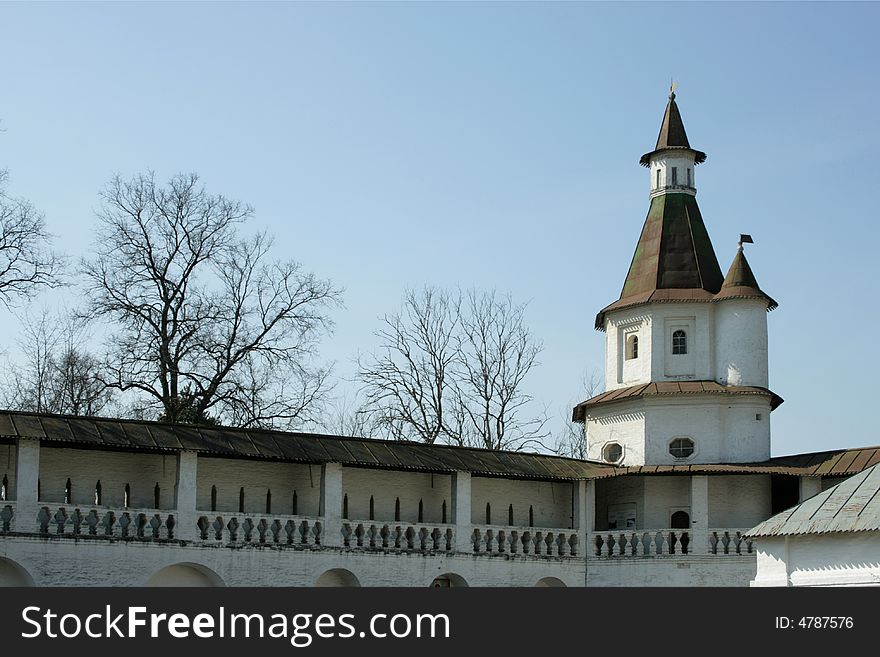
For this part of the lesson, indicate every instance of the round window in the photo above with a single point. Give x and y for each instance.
(681, 448)
(612, 452)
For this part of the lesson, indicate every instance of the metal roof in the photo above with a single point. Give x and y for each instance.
(672, 135)
(670, 388)
(853, 505)
(108, 433)
(740, 282)
(673, 253)
(132, 435)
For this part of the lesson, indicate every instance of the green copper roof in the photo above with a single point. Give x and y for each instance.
(674, 259)
(672, 135)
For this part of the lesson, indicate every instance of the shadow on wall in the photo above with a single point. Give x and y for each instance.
(554, 582)
(337, 577)
(185, 574)
(449, 580)
(13, 574)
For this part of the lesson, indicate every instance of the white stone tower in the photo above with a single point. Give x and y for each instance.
(686, 376)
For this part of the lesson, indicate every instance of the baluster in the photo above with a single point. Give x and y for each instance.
(436, 535)
(262, 528)
(573, 545)
(560, 545)
(610, 542)
(526, 542)
(248, 528)
(514, 541)
(60, 519)
(424, 535)
(599, 543)
(218, 526)
(538, 543)
(276, 530)
(372, 533)
(124, 522)
(661, 544)
(748, 545)
(317, 533)
(410, 535)
(170, 524)
(232, 528)
(43, 518)
(385, 533)
(290, 531)
(725, 541)
(476, 539)
(77, 518)
(713, 543)
(685, 541)
(673, 542)
(621, 545)
(92, 521)
(737, 541)
(108, 523)
(155, 524)
(450, 539)
(502, 540)
(398, 536)
(202, 524)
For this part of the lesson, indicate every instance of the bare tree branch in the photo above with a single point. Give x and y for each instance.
(27, 262)
(207, 327)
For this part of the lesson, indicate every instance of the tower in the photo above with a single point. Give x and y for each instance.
(686, 377)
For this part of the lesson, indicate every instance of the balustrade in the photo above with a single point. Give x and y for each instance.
(368, 534)
(259, 529)
(676, 542)
(525, 540)
(150, 524)
(7, 517)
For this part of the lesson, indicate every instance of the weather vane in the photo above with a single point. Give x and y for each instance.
(673, 85)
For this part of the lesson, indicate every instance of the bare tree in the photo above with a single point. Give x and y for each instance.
(572, 440)
(27, 263)
(407, 387)
(206, 325)
(496, 353)
(57, 375)
(451, 370)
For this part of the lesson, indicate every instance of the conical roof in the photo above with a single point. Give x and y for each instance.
(674, 259)
(672, 135)
(740, 282)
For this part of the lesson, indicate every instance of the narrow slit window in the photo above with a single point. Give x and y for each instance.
(126, 496)
(674, 175)
(657, 186)
(68, 497)
(679, 343)
(690, 184)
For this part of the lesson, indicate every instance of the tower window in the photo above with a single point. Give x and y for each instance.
(689, 177)
(679, 343)
(658, 179)
(632, 347)
(681, 448)
(674, 175)
(612, 452)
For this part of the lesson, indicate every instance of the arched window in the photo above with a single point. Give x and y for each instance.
(680, 520)
(268, 500)
(157, 496)
(241, 500)
(421, 512)
(68, 497)
(213, 498)
(488, 513)
(443, 512)
(126, 496)
(397, 509)
(657, 186)
(679, 342)
(632, 347)
(681, 448)
(294, 504)
(372, 509)
(612, 452)
(510, 515)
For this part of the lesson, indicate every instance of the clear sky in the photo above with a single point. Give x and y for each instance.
(487, 145)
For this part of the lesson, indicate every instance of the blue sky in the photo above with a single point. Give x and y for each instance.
(487, 145)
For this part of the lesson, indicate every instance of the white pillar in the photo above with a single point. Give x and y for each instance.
(27, 476)
(699, 514)
(331, 503)
(584, 505)
(461, 511)
(808, 486)
(186, 528)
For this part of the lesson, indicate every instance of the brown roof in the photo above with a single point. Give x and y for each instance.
(674, 259)
(740, 282)
(668, 388)
(672, 135)
(838, 463)
(130, 435)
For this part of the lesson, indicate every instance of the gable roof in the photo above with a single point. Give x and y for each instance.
(853, 505)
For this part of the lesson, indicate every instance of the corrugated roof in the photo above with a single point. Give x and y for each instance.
(853, 505)
(131, 435)
(108, 433)
(669, 388)
(837, 463)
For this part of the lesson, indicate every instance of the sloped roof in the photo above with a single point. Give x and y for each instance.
(670, 388)
(853, 505)
(674, 259)
(107, 433)
(672, 135)
(740, 282)
(836, 463)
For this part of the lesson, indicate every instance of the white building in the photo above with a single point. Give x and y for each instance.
(679, 469)
(831, 539)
